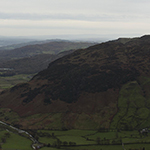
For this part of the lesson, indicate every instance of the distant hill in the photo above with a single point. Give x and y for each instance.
(53, 47)
(31, 65)
(5, 41)
(104, 86)
(18, 45)
(21, 43)
(34, 58)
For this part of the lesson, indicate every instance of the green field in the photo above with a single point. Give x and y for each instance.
(133, 106)
(88, 140)
(110, 147)
(10, 81)
(76, 140)
(14, 141)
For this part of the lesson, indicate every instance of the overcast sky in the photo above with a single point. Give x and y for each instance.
(69, 17)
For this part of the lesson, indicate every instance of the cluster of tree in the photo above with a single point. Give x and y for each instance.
(105, 141)
(59, 143)
(5, 137)
(137, 149)
(102, 129)
(44, 134)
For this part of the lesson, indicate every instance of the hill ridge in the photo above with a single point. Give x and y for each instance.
(87, 88)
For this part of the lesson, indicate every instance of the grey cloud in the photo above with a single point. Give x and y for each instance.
(65, 16)
(104, 16)
(89, 10)
(62, 16)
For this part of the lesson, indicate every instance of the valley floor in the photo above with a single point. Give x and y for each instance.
(10, 81)
(74, 140)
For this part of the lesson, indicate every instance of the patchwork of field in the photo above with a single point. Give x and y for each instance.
(74, 140)
(93, 140)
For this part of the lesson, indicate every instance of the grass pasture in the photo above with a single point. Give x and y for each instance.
(77, 139)
(48, 148)
(102, 135)
(15, 141)
(133, 107)
(70, 132)
(110, 147)
(9, 81)
(77, 136)
(47, 140)
(87, 140)
(83, 139)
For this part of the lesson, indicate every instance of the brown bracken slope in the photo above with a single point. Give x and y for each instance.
(82, 87)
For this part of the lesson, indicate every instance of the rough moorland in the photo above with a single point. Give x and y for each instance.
(104, 86)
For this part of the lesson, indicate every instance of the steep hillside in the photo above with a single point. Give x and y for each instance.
(103, 86)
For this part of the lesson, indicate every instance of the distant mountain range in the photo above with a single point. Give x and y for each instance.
(9, 42)
(5, 41)
(101, 87)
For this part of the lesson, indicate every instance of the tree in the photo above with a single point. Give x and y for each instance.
(7, 134)
(3, 139)
(98, 140)
(65, 143)
(72, 143)
(58, 143)
(116, 134)
(53, 134)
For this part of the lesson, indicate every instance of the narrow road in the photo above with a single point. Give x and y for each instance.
(34, 141)
(123, 146)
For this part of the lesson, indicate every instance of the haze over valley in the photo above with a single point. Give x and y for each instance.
(103, 87)
(74, 75)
